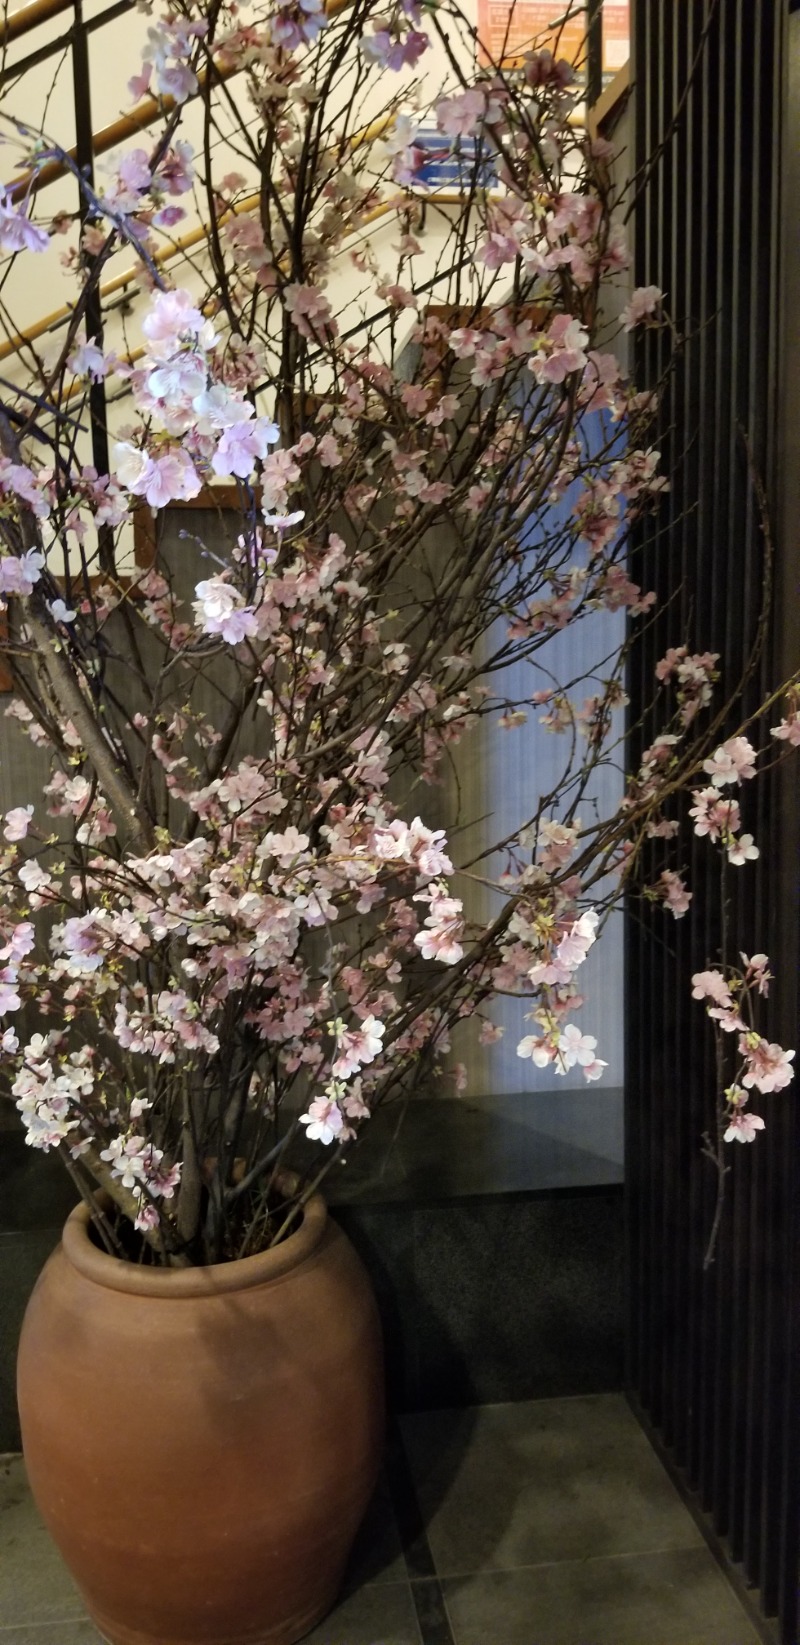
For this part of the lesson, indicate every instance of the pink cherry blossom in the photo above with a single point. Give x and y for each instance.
(676, 896)
(734, 761)
(542, 69)
(575, 1047)
(36, 880)
(80, 940)
(17, 232)
(18, 822)
(743, 1127)
(297, 22)
(788, 730)
(323, 1120)
(358, 1046)
(172, 317)
(714, 816)
(461, 115)
(728, 1020)
(768, 1065)
(414, 844)
(219, 609)
(87, 360)
(757, 971)
(575, 944)
(19, 576)
(20, 943)
(18, 480)
(407, 156)
(146, 1217)
(394, 53)
(282, 522)
(174, 39)
(309, 310)
(175, 173)
(168, 479)
(443, 927)
(539, 1048)
(742, 850)
(556, 842)
(317, 907)
(490, 1033)
(711, 985)
(286, 847)
(279, 471)
(242, 445)
(643, 304)
(562, 351)
(179, 379)
(10, 999)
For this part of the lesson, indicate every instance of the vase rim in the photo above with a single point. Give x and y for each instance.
(213, 1280)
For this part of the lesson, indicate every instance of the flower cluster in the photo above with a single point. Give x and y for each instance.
(730, 998)
(244, 903)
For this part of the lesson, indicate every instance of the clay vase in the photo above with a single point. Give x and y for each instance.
(202, 1442)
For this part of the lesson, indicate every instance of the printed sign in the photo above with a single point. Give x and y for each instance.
(446, 170)
(616, 36)
(509, 28)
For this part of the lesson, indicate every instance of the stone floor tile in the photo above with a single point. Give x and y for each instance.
(52, 1633)
(505, 1486)
(377, 1555)
(434, 1622)
(379, 1614)
(677, 1598)
(35, 1585)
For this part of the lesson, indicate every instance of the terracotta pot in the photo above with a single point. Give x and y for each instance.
(202, 1443)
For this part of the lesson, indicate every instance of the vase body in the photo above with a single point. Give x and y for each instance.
(202, 1443)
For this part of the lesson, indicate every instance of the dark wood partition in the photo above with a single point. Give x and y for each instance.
(713, 1356)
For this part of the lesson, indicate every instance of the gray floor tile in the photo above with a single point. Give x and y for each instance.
(513, 1485)
(35, 1585)
(377, 1555)
(380, 1614)
(52, 1633)
(678, 1598)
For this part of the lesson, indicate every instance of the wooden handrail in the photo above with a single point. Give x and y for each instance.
(609, 101)
(29, 17)
(445, 197)
(120, 281)
(109, 137)
(165, 255)
(143, 115)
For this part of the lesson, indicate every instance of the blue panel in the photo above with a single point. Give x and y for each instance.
(453, 167)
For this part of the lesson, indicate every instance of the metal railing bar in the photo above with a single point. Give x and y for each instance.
(143, 115)
(15, 71)
(110, 15)
(195, 237)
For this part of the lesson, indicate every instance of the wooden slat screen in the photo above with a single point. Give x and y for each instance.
(713, 1357)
